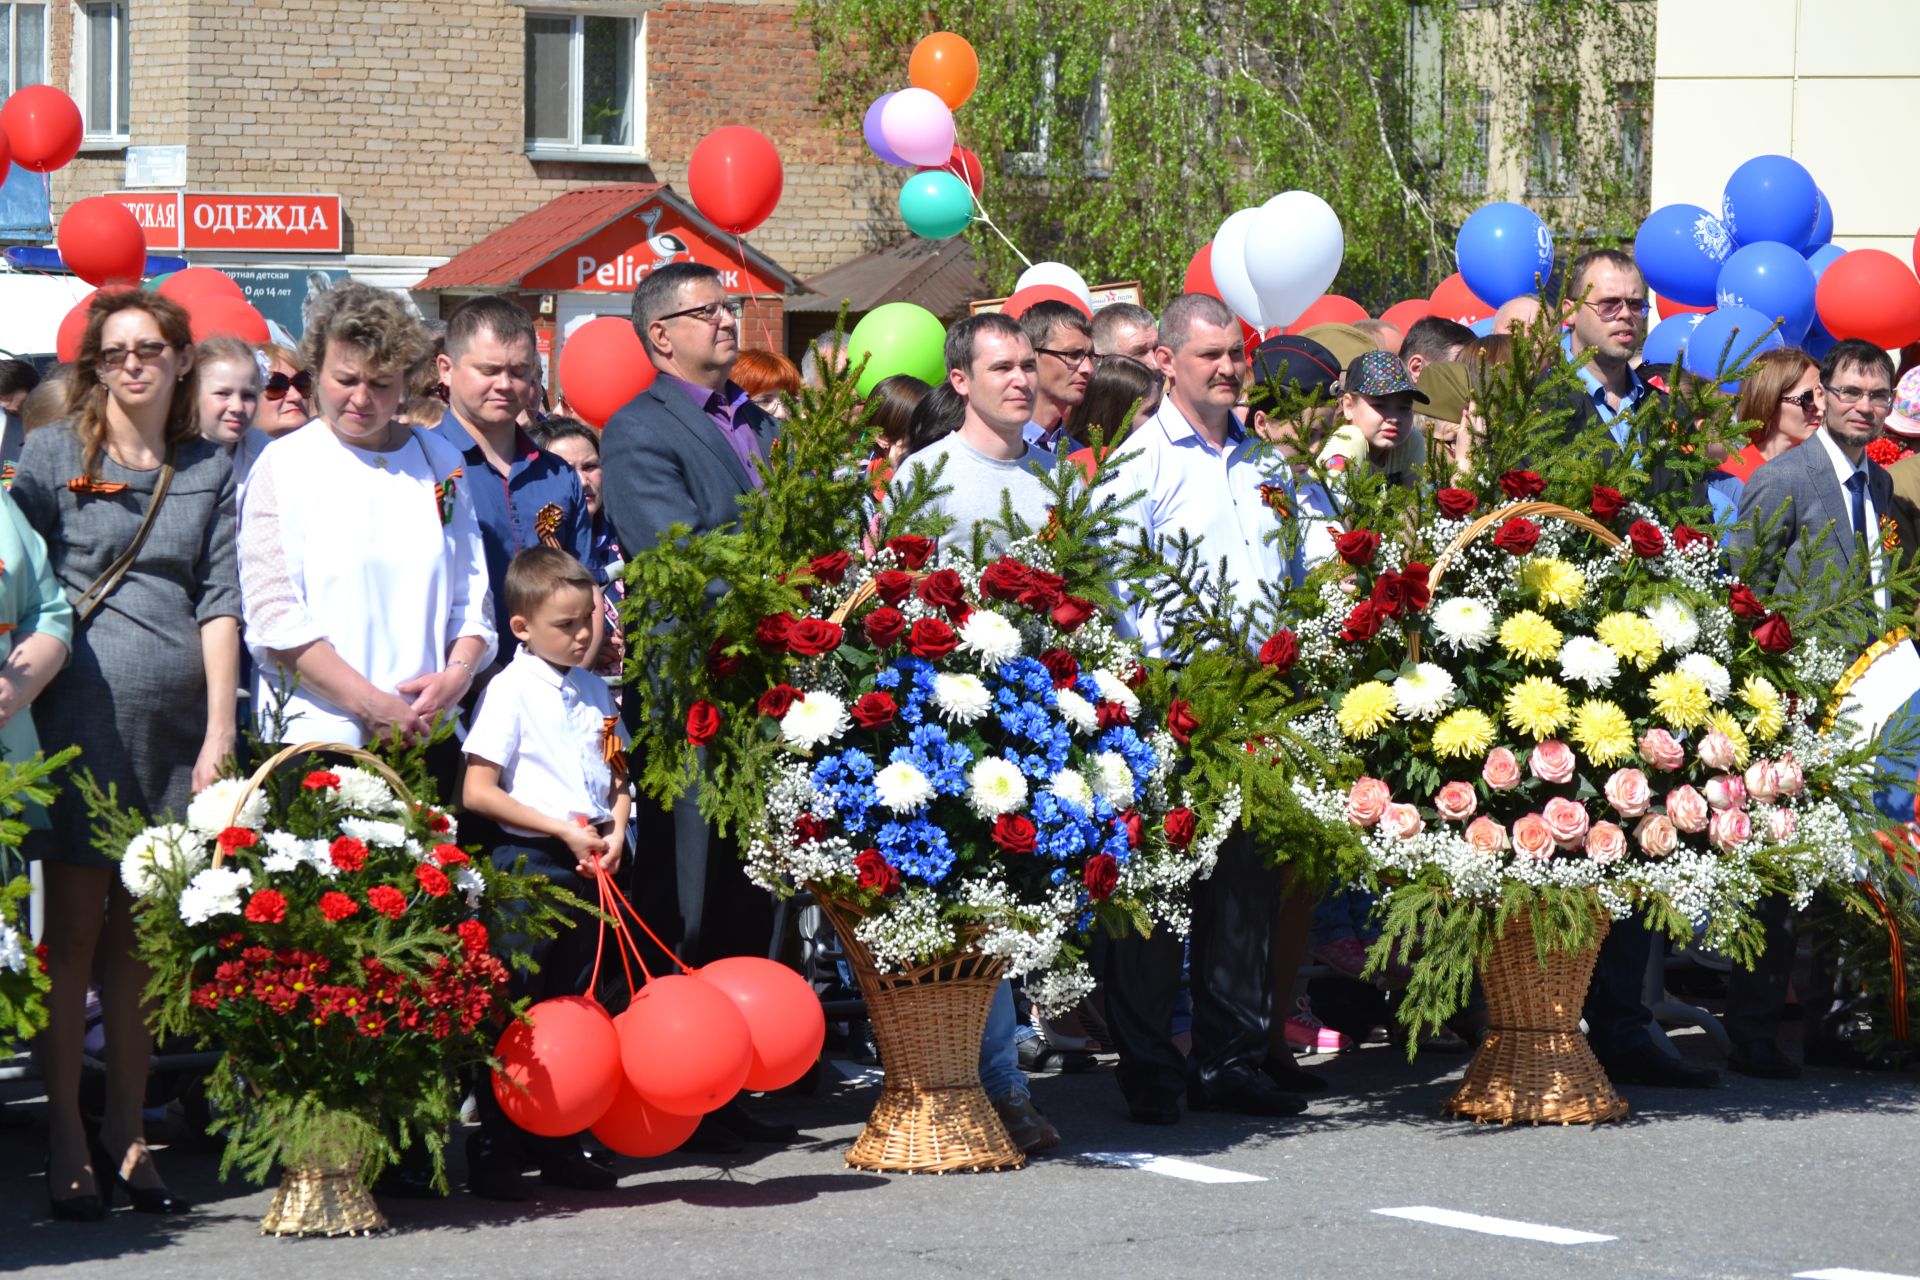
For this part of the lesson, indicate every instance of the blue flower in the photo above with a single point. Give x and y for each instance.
(918, 848)
(848, 778)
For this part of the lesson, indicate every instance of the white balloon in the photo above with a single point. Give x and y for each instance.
(1058, 274)
(1294, 245)
(1230, 267)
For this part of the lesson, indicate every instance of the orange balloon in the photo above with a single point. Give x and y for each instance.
(945, 65)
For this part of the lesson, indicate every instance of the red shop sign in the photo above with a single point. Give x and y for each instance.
(623, 253)
(250, 221)
(157, 212)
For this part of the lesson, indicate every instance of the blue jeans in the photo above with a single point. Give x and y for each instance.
(1343, 914)
(1000, 1072)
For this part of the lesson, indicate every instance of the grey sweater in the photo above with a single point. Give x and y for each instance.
(977, 484)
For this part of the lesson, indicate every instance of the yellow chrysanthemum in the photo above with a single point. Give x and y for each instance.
(1366, 710)
(1723, 721)
(1680, 699)
(1554, 582)
(1631, 636)
(1466, 734)
(1530, 637)
(1537, 706)
(1769, 712)
(1602, 731)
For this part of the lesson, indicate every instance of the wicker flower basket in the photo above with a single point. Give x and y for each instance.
(933, 1116)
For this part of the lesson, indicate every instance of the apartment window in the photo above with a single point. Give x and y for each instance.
(1476, 140)
(105, 80)
(1633, 114)
(23, 46)
(1092, 112)
(1550, 171)
(586, 86)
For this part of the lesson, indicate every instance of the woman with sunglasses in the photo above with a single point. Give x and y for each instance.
(286, 395)
(1781, 395)
(147, 695)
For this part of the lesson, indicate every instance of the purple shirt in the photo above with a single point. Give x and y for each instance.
(722, 408)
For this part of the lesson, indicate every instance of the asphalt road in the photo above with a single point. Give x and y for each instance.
(1751, 1179)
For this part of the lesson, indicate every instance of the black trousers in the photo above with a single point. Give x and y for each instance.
(1616, 1009)
(1757, 998)
(691, 886)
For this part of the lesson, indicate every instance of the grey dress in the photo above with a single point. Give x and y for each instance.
(133, 697)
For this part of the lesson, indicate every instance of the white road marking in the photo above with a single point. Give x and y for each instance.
(858, 1073)
(1169, 1167)
(1494, 1226)
(1848, 1273)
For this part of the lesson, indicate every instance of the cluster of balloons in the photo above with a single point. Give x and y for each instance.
(1271, 262)
(913, 128)
(217, 306)
(685, 1046)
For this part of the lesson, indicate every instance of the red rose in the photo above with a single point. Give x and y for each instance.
(1773, 635)
(1014, 833)
(321, 780)
(433, 880)
(1685, 535)
(1646, 538)
(1181, 722)
(773, 631)
(831, 567)
(1111, 715)
(943, 590)
(1004, 579)
(703, 723)
(1180, 827)
(1744, 603)
(1062, 666)
(1607, 502)
(1136, 677)
(777, 701)
(473, 936)
(236, 838)
(1517, 536)
(1136, 827)
(1521, 485)
(808, 829)
(1071, 612)
(814, 636)
(876, 872)
(893, 585)
(1280, 651)
(449, 855)
(874, 710)
(1419, 592)
(1364, 623)
(1358, 547)
(722, 665)
(347, 853)
(387, 900)
(932, 639)
(1455, 503)
(269, 906)
(337, 906)
(1397, 595)
(1043, 591)
(1102, 876)
(911, 551)
(884, 626)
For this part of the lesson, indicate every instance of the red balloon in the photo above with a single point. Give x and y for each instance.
(6, 149)
(1200, 272)
(784, 1017)
(1328, 308)
(1674, 307)
(1250, 339)
(964, 165)
(101, 242)
(635, 1127)
(735, 178)
(73, 327)
(1401, 315)
(1016, 306)
(1457, 302)
(685, 1045)
(193, 282)
(566, 1055)
(43, 127)
(214, 315)
(1869, 293)
(602, 367)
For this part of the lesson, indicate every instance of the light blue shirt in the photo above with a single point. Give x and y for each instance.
(1618, 420)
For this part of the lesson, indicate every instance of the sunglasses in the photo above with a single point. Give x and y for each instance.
(277, 385)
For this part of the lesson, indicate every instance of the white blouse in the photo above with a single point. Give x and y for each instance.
(352, 547)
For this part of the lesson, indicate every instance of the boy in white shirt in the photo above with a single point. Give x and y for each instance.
(545, 764)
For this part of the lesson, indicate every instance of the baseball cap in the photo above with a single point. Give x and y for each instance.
(1381, 373)
(1292, 360)
(1345, 341)
(1905, 418)
(1447, 389)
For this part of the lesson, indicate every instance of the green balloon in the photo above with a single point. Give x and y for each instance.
(935, 204)
(153, 285)
(897, 337)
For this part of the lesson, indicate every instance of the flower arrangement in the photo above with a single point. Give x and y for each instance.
(23, 970)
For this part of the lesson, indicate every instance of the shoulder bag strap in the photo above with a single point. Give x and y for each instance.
(95, 595)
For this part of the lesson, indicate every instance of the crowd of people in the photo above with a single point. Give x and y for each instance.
(385, 528)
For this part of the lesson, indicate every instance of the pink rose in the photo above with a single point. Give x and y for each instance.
(1662, 750)
(1656, 835)
(1781, 824)
(1566, 821)
(1716, 750)
(1501, 771)
(1688, 809)
(1367, 802)
(1787, 775)
(1627, 792)
(1606, 842)
(1730, 827)
(1532, 839)
(1402, 821)
(1763, 781)
(1456, 801)
(1486, 837)
(1726, 791)
(1552, 761)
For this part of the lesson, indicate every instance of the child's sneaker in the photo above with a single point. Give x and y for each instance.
(1307, 1032)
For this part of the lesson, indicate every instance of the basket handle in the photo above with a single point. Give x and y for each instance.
(1500, 515)
(259, 776)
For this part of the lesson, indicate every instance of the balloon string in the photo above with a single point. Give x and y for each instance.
(621, 936)
(599, 946)
(645, 928)
(746, 274)
(991, 225)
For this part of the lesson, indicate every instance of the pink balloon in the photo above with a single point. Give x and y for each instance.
(918, 127)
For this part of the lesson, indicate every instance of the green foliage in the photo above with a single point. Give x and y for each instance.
(23, 989)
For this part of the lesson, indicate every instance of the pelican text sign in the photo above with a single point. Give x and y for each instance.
(623, 253)
(240, 221)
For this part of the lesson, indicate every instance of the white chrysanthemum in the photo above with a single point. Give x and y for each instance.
(365, 791)
(1708, 672)
(1114, 689)
(1463, 622)
(285, 852)
(470, 883)
(168, 845)
(387, 835)
(1678, 626)
(213, 892)
(990, 635)
(961, 696)
(1076, 711)
(1591, 663)
(211, 810)
(816, 719)
(902, 788)
(1112, 780)
(1070, 784)
(995, 786)
(1425, 693)
(13, 949)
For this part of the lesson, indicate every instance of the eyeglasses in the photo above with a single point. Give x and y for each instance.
(143, 352)
(710, 313)
(1610, 307)
(1805, 400)
(1071, 359)
(279, 383)
(1882, 400)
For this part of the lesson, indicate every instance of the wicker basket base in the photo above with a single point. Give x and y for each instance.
(313, 1201)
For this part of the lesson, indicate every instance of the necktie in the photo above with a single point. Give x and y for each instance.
(1857, 487)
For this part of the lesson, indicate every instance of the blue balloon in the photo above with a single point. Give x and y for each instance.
(1725, 342)
(1822, 258)
(1774, 280)
(1482, 327)
(1680, 248)
(1822, 223)
(1666, 340)
(1505, 251)
(1818, 341)
(1771, 198)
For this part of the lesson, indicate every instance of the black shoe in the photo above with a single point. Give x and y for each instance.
(1648, 1065)
(577, 1173)
(1827, 1052)
(86, 1207)
(143, 1199)
(493, 1173)
(1762, 1059)
(1154, 1111)
(713, 1138)
(1245, 1092)
(734, 1118)
(1289, 1078)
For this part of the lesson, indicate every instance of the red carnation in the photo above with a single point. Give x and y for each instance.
(893, 585)
(1280, 651)
(1004, 579)
(911, 551)
(1102, 876)
(439, 823)
(1180, 827)
(1062, 666)
(321, 780)
(1744, 603)
(1111, 715)
(874, 710)
(1358, 547)
(1773, 635)
(884, 627)
(808, 829)
(1071, 612)
(1363, 623)
(1685, 535)
(875, 872)
(1607, 502)
(932, 639)
(347, 853)
(473, 936)
(387, 900)
(774, 631)
(703, 723)
(1517, 536)
(831, 567)
(1455, 503)
(337, 906)
(1646, 538)
(1136, 827)
(269, 906)
(1521, 485)
(1181, 722)
(777, 701)
(1014, 833)
(433, 880)
(943, 590)
(449, 855)
(722, 665)
(812, 637)
(236, 838)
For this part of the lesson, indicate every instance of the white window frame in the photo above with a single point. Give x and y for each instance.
(1095, 131)
(12, 19)
(94, 138)
(573, 148)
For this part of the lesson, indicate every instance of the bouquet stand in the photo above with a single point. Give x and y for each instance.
(933, 1116)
